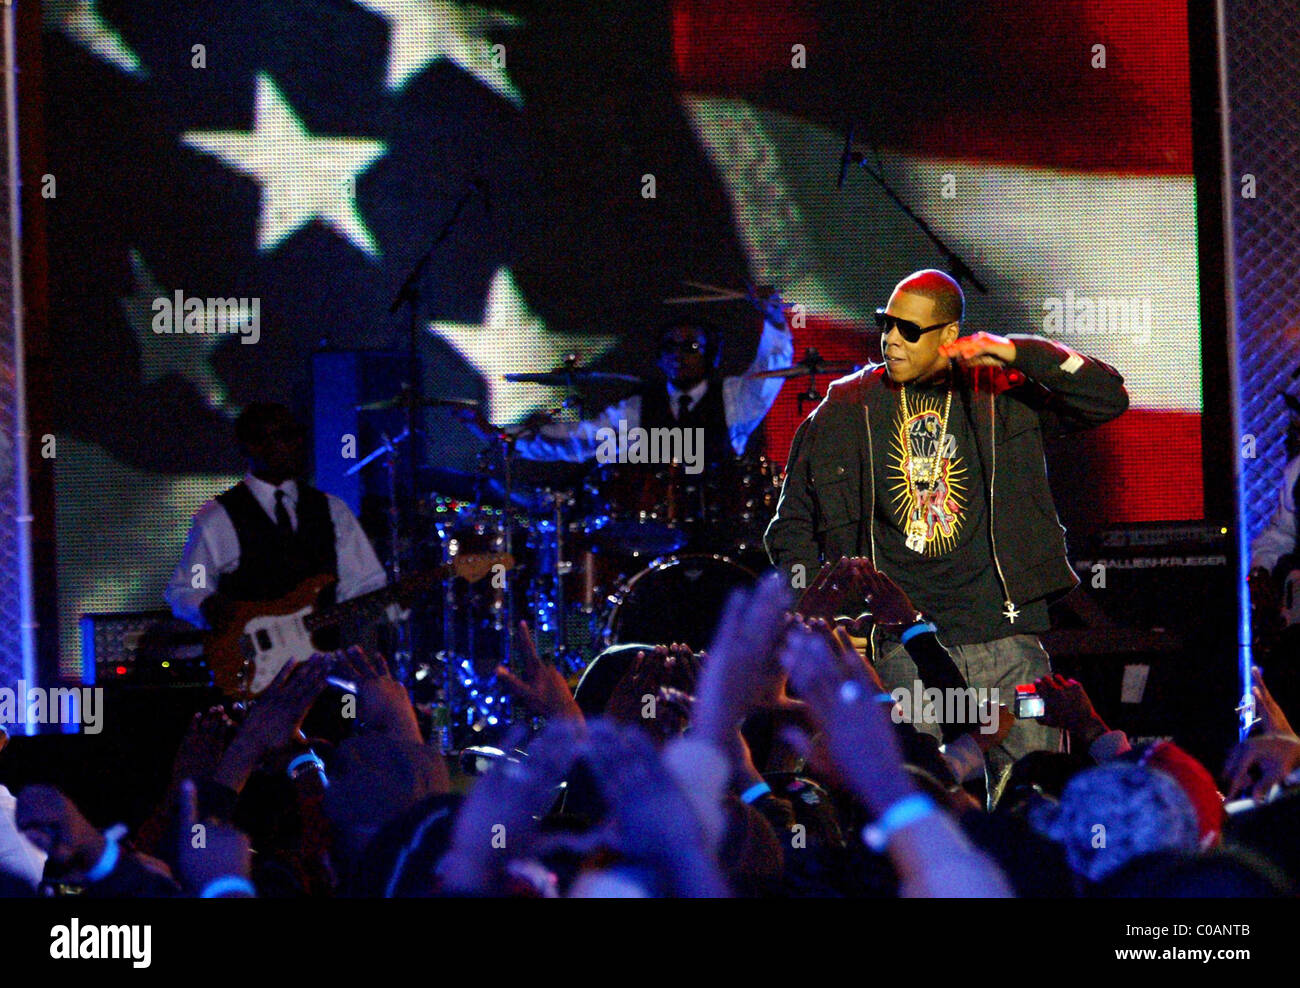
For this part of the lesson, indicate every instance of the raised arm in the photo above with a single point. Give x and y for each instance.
(1077, 392)
(748, 399)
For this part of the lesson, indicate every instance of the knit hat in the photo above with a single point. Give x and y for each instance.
(1114, 813)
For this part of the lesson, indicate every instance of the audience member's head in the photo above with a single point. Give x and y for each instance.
(1114, 813)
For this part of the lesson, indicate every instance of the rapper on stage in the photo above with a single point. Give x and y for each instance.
(931, 464)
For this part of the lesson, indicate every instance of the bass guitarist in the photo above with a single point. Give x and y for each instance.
(270, 532)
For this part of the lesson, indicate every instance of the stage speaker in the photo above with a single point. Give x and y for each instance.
(1151, 633)
(342, 434)
(142, 648)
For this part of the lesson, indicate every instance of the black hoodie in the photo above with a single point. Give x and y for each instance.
(829, 497)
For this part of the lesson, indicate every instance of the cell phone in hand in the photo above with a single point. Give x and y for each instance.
(1029, 705)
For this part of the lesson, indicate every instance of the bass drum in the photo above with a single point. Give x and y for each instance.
(674, 599)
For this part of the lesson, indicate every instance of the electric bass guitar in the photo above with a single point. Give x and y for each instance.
(265, 635)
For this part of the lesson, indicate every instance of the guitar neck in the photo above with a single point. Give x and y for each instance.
(371, 606)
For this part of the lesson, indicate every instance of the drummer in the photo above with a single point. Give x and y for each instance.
(692, 394)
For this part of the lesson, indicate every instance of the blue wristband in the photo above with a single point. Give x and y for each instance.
(755, 791)
(108, 860)
(920, 628)
(905, 812)
(306, 758)
(219, 887)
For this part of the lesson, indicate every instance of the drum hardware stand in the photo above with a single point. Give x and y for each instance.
(403, 656)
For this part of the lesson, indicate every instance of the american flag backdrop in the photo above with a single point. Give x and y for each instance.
(307, 153)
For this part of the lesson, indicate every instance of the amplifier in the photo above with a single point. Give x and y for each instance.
(142, 648)
(1163, 577)
(1151, 631)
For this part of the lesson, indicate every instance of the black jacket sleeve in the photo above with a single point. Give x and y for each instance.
(1078, 392)
(791, 539)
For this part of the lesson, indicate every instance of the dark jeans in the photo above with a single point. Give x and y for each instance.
(1000, 664)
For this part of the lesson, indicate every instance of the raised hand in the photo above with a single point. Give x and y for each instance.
(201, 749)
(741, 670)
(1271, 716)
(52, 822)
(539, 686)
(1259, 763)
(383, 705)
(836, 586)
(209, 850)
(650, 820)
(855, 723)
(667, 674)
(497, 823)
(980, 350)
(890, 607)
(1066, 706)
(273, 727)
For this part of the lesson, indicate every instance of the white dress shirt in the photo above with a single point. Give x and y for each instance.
(1278, 538)
(213, 544)
(746, 400)
(19, 857)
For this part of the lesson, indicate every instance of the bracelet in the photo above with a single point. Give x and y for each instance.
(755, 791)
(108, 859)
(902, 814)
(920, 628)
(306, 758)
(222, 887)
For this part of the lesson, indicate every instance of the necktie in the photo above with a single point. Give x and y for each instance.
(683, 406)
(282, 521)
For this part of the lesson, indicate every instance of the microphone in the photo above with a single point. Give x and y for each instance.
(846, 157)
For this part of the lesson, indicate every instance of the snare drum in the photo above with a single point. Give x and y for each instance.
(674, 599)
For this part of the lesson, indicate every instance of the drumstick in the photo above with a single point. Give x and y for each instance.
(717, 294)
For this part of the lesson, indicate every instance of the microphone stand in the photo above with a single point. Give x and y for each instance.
(409, 295)
(957, 266)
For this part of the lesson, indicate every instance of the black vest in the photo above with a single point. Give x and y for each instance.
(709, 414)
(271, 563)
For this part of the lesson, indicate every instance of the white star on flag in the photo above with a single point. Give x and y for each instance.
(513, 338)
(303, 177)
(164, 354)
(84, 25)
(422, 32)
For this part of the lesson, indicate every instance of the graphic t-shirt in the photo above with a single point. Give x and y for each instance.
(934, 489)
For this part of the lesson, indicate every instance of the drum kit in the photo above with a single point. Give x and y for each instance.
(620, 553)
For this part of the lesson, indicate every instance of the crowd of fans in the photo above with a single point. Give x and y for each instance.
(772, 765)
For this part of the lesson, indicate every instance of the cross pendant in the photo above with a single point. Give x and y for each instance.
(1010, 613)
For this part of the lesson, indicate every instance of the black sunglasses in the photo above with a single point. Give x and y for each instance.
(909, 330)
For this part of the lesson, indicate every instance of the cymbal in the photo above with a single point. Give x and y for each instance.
(574, 376)
(400, 400)
(805, 369)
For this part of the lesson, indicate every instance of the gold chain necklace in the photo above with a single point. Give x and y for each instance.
(916, 527)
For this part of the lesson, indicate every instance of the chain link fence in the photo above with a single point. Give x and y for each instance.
(1264, 97)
